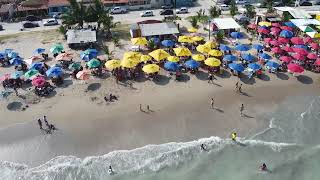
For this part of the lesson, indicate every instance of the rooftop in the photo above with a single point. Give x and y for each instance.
(54, 3)
(226, 23)
(158, 29)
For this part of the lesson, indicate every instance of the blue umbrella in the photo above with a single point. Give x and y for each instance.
(13, 54)
(38, 51)
(265, 56)
(258, 46)
(155, 40)
(272, 64)
(229, 58)
(86, 56)
(236, 67)
(2, 55)
(92, 51)
(36, 65)
(248, 57)
(16, 74)
(264, 27)
(224, 47)
(54, 71)
(286, 34)
(301, 46)
(192, 64)
(16, 61)
(236, 35)
(254, 66)
(168, 43)
(290, 24)
(7, 51)
(171, 66)
(242, 47)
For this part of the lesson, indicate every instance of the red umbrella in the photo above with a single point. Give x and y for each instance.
(295, 68)
(286, 28)
(267, 40)
(308, 40)
(312, 56)
(252, 26)
(283, 40)
(301, 51)
(275, 29)
(276, 24)
(299, 57)
(314, 46)
(286, 59)
(263, 31)
(317, 62)
(38, 81)
(5, 77)
(277, 50)
(287, 48)
(275, 43)
(297, 40)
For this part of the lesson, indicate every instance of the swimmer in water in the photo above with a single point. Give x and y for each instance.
(110, 171)
(203, 147)
(233, 136)
(263, 167)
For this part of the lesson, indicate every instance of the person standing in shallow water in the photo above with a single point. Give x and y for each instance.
(40, 123)
(234, 136)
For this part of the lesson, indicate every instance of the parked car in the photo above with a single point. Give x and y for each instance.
(51, 22)
(224, 7)
(1, 27)
(118, 10)
(241, 2)
(168, 6)
(306, 3)
(32, 18)
(166, 12)
(182, 10)
(146, 13)
(57, 16)
(30, 24)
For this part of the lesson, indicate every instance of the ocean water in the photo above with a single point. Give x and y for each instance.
(289, 147)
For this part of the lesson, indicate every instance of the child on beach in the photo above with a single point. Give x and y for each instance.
(212, 103)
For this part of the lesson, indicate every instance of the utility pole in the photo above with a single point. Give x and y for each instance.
(209, 29)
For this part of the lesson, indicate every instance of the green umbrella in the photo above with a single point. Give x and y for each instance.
(308, 29)
(93, 63)
(30, 73)
(74, 66)
(57, 48)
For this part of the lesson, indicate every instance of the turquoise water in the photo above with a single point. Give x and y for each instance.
(289, 147)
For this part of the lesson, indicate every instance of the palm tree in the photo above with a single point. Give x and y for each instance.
(107, 21)
(75, 15)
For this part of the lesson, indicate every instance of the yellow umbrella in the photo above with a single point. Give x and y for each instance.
(128, 63)
(203, 48)
(140, 41)
(182, 51)
(192, 30)
(185, 39)
(159, 54)
(151, 68)
(198, 57)
(145, 58)
(211, 44)
(173, 59)
(212, 62)
(132, 55)
(197, 38)
(264, 23)
(215, 53)
(112, 64)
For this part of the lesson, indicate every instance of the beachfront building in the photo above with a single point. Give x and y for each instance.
(227, 25)
(32, 7)
(57, 6)
(153, 28)
(129, 4)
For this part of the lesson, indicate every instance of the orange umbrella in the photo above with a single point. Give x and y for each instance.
(64, 57)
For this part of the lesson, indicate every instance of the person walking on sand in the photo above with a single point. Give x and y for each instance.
(45, 121)
(240, 88)
(210, 78)
(237, 86)
(234, 136)
(140, 106)
(212, 103)
(40, 123)
(148, 107)
(241, 110)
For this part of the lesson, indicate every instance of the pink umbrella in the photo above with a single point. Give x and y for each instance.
(252, 26)
(286, 59)
(297, 40)
(263, 31)
(287, 48)
(275, 43)
(295, 68)
(277, 50)
(275, 29)
(286, 28)
(38, 81)
(283, 40)
(267, 40)
(64, 57)
(301, 51)
(276, 24)
(308, 39)
(83, 75)
(299, 57)
(312, 56)
(5, 77)
(317, 62)
(314, 46)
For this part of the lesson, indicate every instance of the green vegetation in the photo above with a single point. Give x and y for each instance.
(220, 36)
(250, 11)
(214, 12)
(194, 21)
(233, 8)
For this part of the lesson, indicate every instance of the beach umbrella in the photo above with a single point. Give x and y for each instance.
(16, 61)
(74, 66)
(275, 30)
(295, 68)
(29, 74)
(192, 30)
(212, 62)
(265, 23)
(83, 75)
(286, 34)
(236, 67)
(57, 48)
(2, 55)
(224, 47)
(185, 39)
(181, 51)
(258, 46)
(317, 62)
(132, 55)
(139, 41)
(267, 40)
(93, 63)
(254, 66)
(301, 46)
(263, 31)
(36, 65)
(151, 68)
(171, 66)
(297, 40)
(314, 46)
(248, 57)
(215, 53)
(159, 54)
(301, 51)
(54, 71)
(5, 77)
(265, 56)
(286, 28)
(312, 56)
(229, 58)
(145, 58)
(13, 54)
(272, 65)
(16, 74)
(126, 63)
(155, 40)
(197, 38)
(203, 48)
(252, 26)
(242, 47)
(275, 43)
(286, 59)
(7, 51)
(277, 50)
(283, 40)
(198, 57)
(38, 81)
(88, 54)
(64, 57)
(308, 29)
(287, 48)
(112, 64)
(211, 44)
(299, 57)
(33, 59)
(192, 64)
(236, 35)
(39, 51)
(290, 24)
(168, 43)
(276, 24)
(173, 59)
(308, 40)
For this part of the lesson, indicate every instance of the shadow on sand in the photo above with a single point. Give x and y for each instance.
(93, 86)
(66, 83)
(264, 77)
(202, 75)
(225, 74)
(282, 76)
(161, 80)
(14, 106)
(246, 80)
(305, 79)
